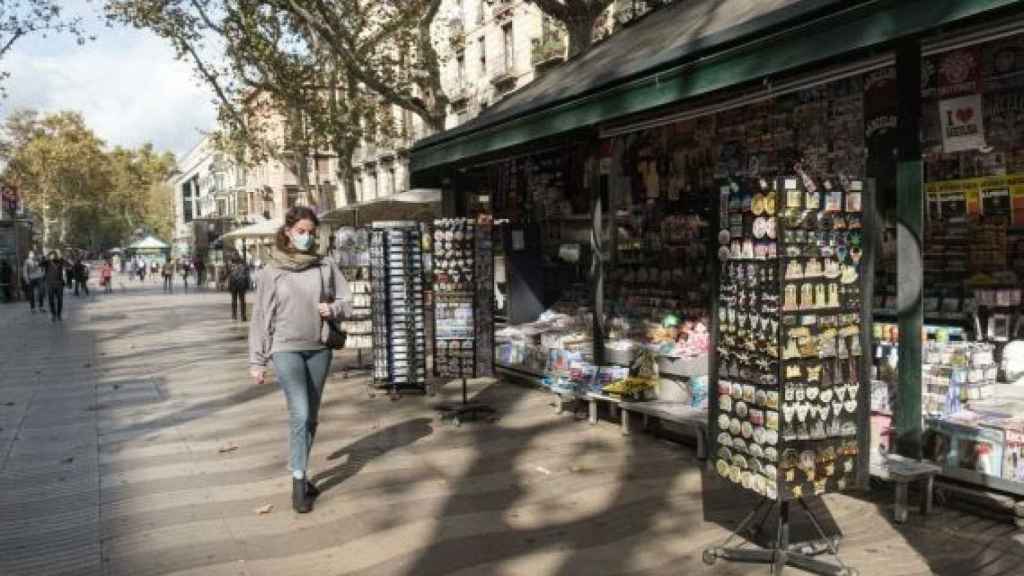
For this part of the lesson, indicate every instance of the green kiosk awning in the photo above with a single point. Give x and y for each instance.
(688, 49)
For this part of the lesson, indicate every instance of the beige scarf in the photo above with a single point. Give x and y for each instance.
(293, 261)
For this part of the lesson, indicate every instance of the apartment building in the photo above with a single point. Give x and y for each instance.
(213, 193)
(491, 48)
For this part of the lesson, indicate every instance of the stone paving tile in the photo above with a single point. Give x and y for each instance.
(111, 463)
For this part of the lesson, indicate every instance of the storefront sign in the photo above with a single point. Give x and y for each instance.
(962, 125)
(9, 201)
(1004, 64)
(1016, 185)
(881, 109)
(995, 200)
(992, 196)
(951, 74)
(953, 199)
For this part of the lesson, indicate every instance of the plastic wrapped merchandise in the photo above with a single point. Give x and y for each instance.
(1013, 362)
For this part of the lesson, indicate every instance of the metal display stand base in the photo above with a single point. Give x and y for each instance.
(782, 554)
(466, 411)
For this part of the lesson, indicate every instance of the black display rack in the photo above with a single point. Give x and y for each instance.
(789, 422)
(463, 269)
(396, 285)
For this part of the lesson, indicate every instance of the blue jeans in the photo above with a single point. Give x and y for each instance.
(302, 376)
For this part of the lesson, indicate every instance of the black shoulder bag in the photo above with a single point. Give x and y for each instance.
(331, 335)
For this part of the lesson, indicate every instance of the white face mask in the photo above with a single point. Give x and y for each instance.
(302, 241)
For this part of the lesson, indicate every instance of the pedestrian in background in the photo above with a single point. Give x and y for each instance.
(32, 274)
(200, 267)
(80, 272)
(168, 274)
(288, 320)
(54, 280)
(238, 283)
(7, 279)
(69, 274)
(184, 268)
(107, 277)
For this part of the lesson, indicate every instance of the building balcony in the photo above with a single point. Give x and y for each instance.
(504, 76)
(546, 53)
(456, 33)
(502, 10)
(459, 96)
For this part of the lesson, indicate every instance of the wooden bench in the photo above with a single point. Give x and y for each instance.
(902, 471)
(595, 398)
(675, 412)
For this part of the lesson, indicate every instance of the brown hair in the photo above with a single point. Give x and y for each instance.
(295, 215)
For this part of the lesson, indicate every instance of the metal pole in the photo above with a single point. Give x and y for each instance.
(910, 215)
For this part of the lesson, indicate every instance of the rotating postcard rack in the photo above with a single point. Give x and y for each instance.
(788, 421)
(396, 280)
(463, 268)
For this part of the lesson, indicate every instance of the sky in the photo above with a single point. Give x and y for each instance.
(127, 84)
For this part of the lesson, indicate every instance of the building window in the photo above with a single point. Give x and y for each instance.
(293, 196)
(483, 56)
(374, 190)
(460, 70)
(509, 47)
(393, 178)
(186, 199)
(242, 203)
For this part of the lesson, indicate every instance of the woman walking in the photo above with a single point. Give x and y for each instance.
(293, 300)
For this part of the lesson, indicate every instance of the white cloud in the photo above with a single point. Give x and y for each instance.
(126, 84)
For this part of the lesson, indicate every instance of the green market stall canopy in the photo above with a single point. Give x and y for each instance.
(686, 50)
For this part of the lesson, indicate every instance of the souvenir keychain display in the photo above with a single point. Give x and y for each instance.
(399, 341)
(786, 424)
(463, 273)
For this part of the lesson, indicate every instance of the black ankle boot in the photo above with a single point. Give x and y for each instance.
(301, 500)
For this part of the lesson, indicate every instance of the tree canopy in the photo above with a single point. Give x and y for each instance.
(282, 90)
(22, 18)
(82, 194)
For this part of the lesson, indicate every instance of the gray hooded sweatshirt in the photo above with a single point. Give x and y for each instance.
(286, 317)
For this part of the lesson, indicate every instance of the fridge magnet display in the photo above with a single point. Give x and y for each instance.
(789, 342)
(464, 306)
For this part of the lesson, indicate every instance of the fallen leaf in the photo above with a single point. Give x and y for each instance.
(68, 460)
(265, 509)
(544, 470)
(226, 449)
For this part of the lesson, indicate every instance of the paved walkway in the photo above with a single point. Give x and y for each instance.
(132, 444)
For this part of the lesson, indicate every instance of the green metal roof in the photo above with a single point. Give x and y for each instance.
(686, 50)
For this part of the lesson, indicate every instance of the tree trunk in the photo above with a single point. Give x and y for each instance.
(346, 174)
(581, 34)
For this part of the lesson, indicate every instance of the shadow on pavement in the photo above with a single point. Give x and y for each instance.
(629, 510)
(358, 454)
